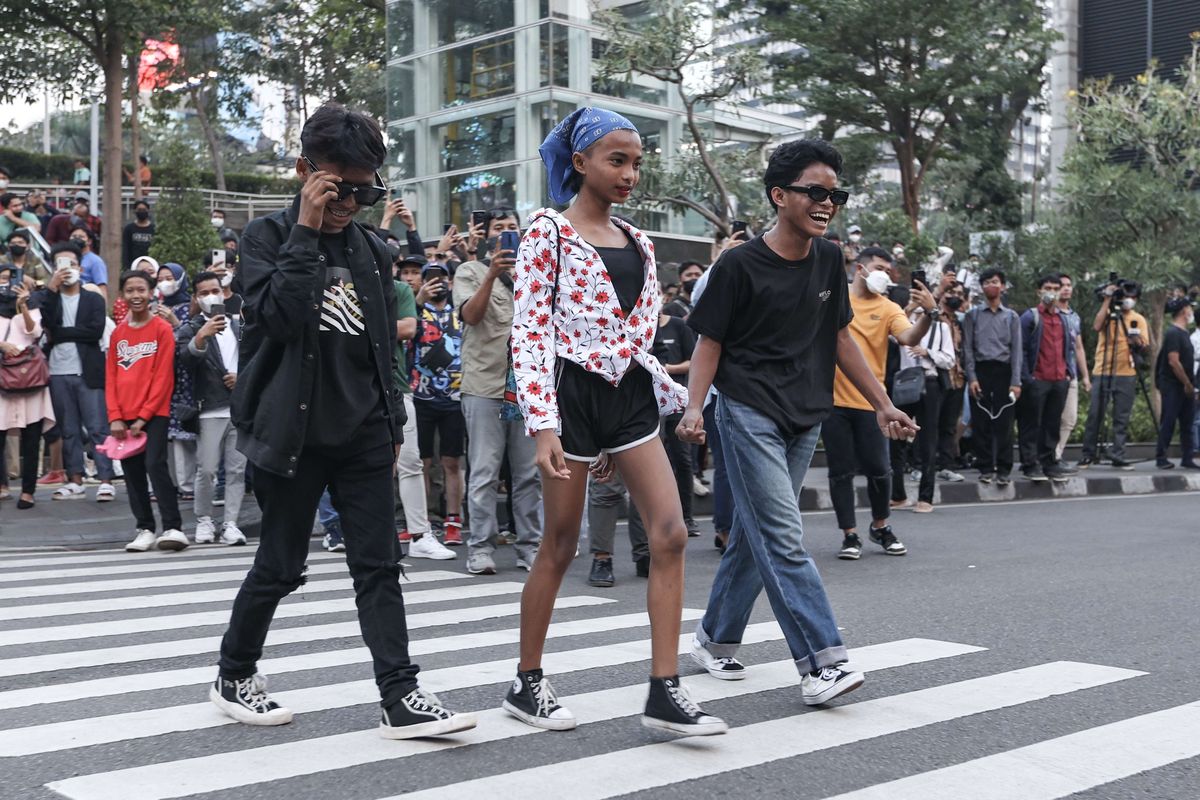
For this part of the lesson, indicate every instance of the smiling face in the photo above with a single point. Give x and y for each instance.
(137, 293)
(339, 213)
(611, 168)
(801, 212)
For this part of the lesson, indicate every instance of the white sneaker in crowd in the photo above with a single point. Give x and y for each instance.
(206, 531)
(173, 539)
(429, 547)
(142, 541)
(232, 535)
(949, 476)
(699, 489)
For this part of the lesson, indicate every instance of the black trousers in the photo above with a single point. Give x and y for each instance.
(853, 442)
(149, 468)
(1039, 414)
(948, 420)
(993, 437)
(924, 449)
(29, 449)
(360, 482)
(679, 453)
(1177, 407)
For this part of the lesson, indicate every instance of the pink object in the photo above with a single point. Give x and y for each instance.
(128, 447)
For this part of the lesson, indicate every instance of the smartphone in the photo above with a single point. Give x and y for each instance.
(480, 218)
(218, 257)
(17, 278)
(218, 310)
(739, 226)
(510, 240)
(918, 276)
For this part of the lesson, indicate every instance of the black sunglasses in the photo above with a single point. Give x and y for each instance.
(819, 194)
(363, 195)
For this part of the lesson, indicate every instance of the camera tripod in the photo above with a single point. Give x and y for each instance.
(1116, 324)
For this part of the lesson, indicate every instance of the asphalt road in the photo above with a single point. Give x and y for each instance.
(1106, 583)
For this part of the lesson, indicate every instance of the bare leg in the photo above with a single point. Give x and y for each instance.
(452, 469)
(647, 474)
(563, 503)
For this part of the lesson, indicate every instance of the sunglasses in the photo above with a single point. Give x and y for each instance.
(363, 195)
(819, 194)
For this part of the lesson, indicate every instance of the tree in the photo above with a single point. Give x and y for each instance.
(918, 73)
(182, 231)
(671, 45)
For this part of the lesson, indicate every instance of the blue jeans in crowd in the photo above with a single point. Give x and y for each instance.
(766, 469)
(328, 515)
(77, 407)
(722, 496)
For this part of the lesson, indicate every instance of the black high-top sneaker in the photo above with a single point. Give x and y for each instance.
(531, 699)
(420, 713)
(669, 708)
(247, 701)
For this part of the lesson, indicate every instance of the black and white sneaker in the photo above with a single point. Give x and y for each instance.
(888, 541)
(827, 683)
(726, 668)
(851, 548)
(531, 699)
(420, 713)
(669, 708)
(247, 701)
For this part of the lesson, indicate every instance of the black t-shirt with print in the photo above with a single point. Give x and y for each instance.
(346, 392)
(673, 344)
(777, 322)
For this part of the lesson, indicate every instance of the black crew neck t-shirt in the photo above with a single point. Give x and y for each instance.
(673, 344)
(346, 394)
(627, 271)
(777, 322)
(1175, 340)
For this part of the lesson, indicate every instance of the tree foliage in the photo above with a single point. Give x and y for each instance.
(182, 232)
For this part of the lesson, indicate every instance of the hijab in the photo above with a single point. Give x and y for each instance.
(182, 296)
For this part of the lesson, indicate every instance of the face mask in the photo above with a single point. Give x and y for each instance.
(166, 288)
(1049, 298)
(217, 222)
(226, 279)
(18, 250)
(878, 282)
(954, 303)
(208, 301)
(80, 243)
(897, 251)
(991, 292)
(1128, 303)
(142, 214)
(3, 183)
(72, 277)
(689, 285)
(856, 237)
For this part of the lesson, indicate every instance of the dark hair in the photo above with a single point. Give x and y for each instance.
(142, 202)
(336, 135)
(144, 160)
(867, 253)
(225, 239)
(220, 211)
(686, 264)
(992, 272)
(1064, 276)
(65, 247)
(6, 198)
(204, 276)
(833, 237)
(1176, 305)
(134, 273)
(1049, 277)
(4, 171)
(792, 158)
(17, 232)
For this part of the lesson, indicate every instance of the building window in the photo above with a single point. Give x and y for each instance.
(400, 28)
(478, 71)
(455, 20)
(494, 188)
(400, 91)
(554, 55)
(402, 159)
(473, 142)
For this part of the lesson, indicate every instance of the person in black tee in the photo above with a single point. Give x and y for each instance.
(772, 324)
(1176, 381)
(138, 235)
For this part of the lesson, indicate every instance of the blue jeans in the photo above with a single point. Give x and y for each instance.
(766, 472)
(77, 407)
(722, 496)
(328, 515)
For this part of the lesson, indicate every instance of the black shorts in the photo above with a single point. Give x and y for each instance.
(598, 417)
(446, 422)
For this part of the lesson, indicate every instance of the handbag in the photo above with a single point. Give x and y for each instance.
(908, 387)
(25, 371)
(117, 449)
(510, 409)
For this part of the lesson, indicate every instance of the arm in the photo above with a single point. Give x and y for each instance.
(943, 356)
(1081, 365)
(1177, 368)
(162, 381)
(913, 336)
(893, 422)
(533, 328)
(190, 343)
(413, 238)
(91, 329)
(280, 284)
(110, 385)
(406, 329)
(968, 330)
(1102, 314)
(705, 358)
(472, 292)
(406, 313)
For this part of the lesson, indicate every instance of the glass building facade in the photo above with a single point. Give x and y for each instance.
(474, 87)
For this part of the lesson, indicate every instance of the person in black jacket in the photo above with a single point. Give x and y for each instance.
(316, 404)
(74, 323)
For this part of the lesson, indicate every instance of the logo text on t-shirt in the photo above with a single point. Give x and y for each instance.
(129, 354)
(825, 295)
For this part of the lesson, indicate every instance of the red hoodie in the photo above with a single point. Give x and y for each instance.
(141, 371)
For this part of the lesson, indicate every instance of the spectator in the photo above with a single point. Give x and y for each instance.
(218, 222)
(1175, 377)
(95, 271)
(13, 215)
(83, 175)
(604, 498)
(992, 354)
(1048, 341)
(483, 293)
(673, 346)
(36, 202)
(144, 175)
(175, 306)
(61, 225)
(138, 383)
(396, 209)
(681, 306)
(5, 179)
(138, 235)
(74, 321)
(1118, 348)
(1076, 364)
(144, 264)
(207, 346)
(950, 418)
(437, 397)
(22, 255)
(30, 412)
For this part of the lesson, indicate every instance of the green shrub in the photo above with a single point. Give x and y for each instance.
(30, 167)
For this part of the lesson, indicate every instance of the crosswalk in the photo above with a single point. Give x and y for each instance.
(105, 659)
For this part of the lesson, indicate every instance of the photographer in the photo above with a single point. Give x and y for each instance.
(1119, 347)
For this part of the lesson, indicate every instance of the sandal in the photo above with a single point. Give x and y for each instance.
(5, 493)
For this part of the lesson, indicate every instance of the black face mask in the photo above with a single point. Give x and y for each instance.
(142, 214)
(440, 295)
(954, 303)
(689, 285)
(17, 250)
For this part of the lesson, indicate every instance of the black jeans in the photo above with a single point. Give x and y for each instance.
(361, 485)
(1177, 407)
(993, 437)
(948, 420)
(31, 442)
(1039, 414)
(853, 441)
(925, 447)
(149, 468)
(679, 453)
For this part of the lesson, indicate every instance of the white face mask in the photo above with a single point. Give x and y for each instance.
(217, 222)
(1049, 298)
(3, 183)
(1128, 303)
(208, 301)
(856, 237)
(226, 280)
(166, 288)
(897, 251)
(878, 282)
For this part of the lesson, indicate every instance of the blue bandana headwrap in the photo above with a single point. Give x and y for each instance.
(579, 131)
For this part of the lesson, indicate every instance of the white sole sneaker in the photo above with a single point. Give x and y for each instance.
(280, 716)
(440, 727)
(848, 683)
(696, 729)
(544, 723)
(706, 659)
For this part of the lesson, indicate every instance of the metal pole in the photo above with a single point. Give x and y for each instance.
(95, 160)
(46, 125)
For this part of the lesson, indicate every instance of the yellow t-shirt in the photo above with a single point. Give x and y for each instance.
(1121, 361)
(875, 319)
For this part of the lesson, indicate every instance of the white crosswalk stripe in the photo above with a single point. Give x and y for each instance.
(113, 665)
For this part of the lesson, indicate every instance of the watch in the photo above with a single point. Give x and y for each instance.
(934, 312)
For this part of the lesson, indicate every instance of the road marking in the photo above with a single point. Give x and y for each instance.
(60, 692)
(97, 605)
(1057, 767)
(240, 768)
(76, 659)
(42, 558)
(144, 568)
(650, 766)
(89, 731)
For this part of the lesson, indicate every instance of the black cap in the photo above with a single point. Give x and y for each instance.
(416, 259)
(1177, 304)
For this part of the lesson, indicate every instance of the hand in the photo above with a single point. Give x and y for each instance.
(138, 425)
(734, 240)
(448, 240)
(22, 295)
(918, 352)
(602, 468)
(922, 296)
(404, 214)
(502, 261)
(976, 389)
(230, 380)
(550, 458)
(320, 188)
(691, 427)
(1015, 391)
(1087, 384)
(476, 235)
(9, 349)
(895, 424)
(211, 328)
(428, 290)
(167, 314)
(118, 429)
(57, 279)
(389, 213)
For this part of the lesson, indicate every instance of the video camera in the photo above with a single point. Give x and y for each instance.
(1125, 288)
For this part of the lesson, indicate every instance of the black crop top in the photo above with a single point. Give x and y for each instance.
(626, 268)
